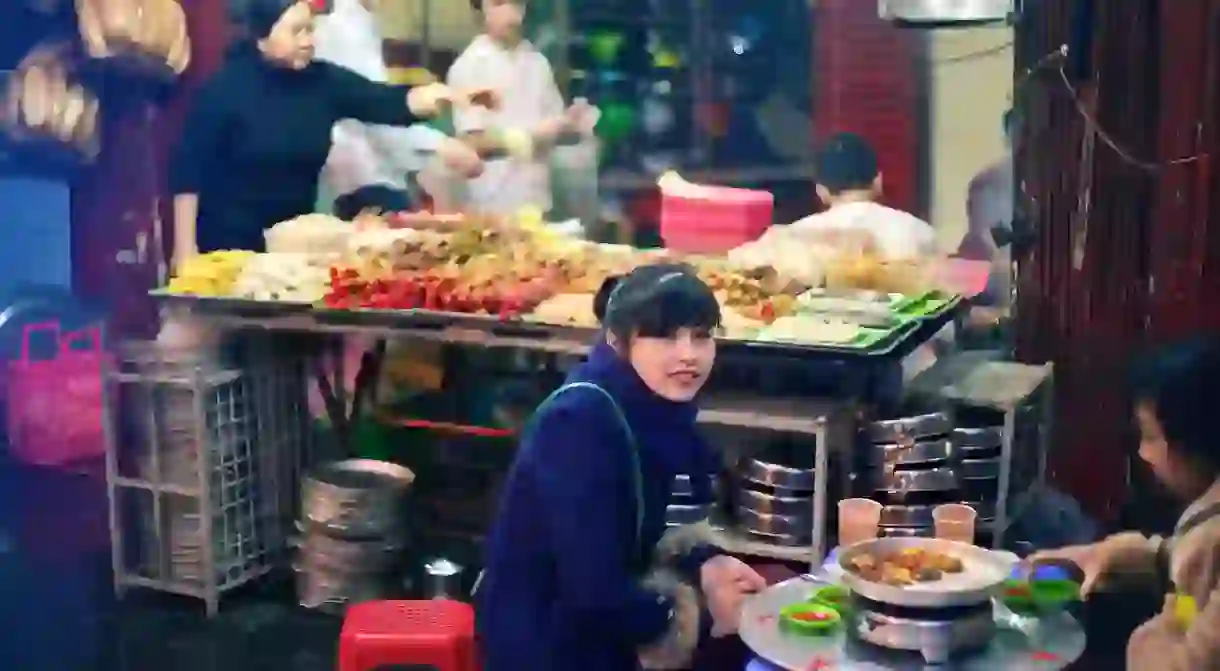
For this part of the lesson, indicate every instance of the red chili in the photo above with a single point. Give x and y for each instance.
(810, 616)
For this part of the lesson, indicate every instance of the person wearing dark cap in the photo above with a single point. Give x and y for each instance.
(582, 572)
(259, 130)
(849, 184)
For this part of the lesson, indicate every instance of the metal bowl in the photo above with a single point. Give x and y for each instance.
(797, 526)
(977, 438)
(687, 514)
(921, 452)
(930, 480)
(916, 427)
(769, 504)
(775, 475)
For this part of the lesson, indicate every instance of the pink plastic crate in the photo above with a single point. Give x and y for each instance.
(720, 219)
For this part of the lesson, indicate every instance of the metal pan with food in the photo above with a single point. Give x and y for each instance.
(924, 572)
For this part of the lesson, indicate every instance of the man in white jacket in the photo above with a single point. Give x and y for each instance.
(368, 166)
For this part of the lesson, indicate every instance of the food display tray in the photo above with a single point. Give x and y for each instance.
(870, 342)
(926, 306)
(437, 320)
(238, 307)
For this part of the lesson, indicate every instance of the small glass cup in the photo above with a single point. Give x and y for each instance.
(954, 522)
(858, 520)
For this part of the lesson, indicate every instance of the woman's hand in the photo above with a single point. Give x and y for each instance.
(726, 581)
(460, 158)
(429, 100)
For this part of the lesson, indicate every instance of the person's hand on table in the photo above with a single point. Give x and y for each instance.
(460, 158)
(1099, 560)
(726, 581)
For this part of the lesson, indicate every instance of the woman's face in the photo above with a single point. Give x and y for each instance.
(674, 368)
(290, 42)
(1176, 473)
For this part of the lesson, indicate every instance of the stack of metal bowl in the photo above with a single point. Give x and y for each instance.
(775, 503)
(353, 516)
(909, 467)
(684, 506)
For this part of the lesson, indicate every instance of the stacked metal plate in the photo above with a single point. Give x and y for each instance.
(353, 518)
(775, 503)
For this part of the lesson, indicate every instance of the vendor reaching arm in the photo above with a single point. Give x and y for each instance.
(368, 164)
(259, 130)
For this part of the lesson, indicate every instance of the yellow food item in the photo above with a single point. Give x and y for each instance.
(1185, 610)
(211, 274)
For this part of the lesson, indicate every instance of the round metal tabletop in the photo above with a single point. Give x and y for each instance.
(1046, 644)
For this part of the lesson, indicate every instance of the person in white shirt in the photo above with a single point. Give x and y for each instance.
(369, 165)
(531, 116)
(849, 183)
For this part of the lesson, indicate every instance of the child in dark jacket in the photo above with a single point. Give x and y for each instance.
(582, 573)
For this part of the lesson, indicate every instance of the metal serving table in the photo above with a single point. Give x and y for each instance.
(1046, 644)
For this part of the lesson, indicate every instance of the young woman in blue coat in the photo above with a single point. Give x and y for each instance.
(582, 573)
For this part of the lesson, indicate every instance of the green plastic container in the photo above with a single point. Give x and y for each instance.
(1038, 597)
(810, 619)
(832, 596)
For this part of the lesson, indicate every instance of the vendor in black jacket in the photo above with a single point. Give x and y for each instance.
(260, 130)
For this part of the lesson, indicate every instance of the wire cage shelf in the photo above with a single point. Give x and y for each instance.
(202, 466)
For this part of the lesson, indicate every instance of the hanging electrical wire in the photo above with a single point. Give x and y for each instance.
(979, 54)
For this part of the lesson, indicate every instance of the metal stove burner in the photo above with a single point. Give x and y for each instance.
(935, 633)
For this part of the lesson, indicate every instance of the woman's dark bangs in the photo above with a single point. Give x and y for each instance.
(682, 303)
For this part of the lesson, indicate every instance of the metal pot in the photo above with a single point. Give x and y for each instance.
(357, 498)
(930, 480)
(687, 514)
(969, 439)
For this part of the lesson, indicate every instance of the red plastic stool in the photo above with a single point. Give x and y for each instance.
(437, 633)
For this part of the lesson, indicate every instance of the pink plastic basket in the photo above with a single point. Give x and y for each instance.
(55, 405)
(719, 219)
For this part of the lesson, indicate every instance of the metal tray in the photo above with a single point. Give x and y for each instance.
(930, 480)
(916, 427)
(684, 514)
(980, 489)
(771, 504)
(922, 452)
(977, 438)
(796, 526)
(223, 305)
(978, 469)
(774, 475)
(984, 571)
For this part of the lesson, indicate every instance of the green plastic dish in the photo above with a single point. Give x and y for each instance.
(810, 619)
(1039, 597)
(832, 596)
